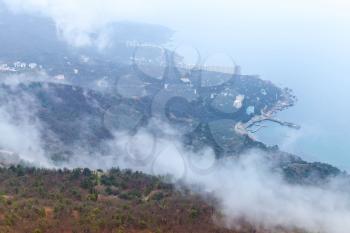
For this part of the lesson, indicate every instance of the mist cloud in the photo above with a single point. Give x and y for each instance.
(20, 132)
(245, 187)
(77, 20)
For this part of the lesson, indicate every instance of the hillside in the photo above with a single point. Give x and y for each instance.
(72, 117)
(124, 135)
(38, 200)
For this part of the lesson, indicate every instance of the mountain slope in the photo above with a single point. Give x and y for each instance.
(39, 200)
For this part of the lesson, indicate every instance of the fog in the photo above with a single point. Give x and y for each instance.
(20, 133)
(247, 187)
(299, 44)
(302, 45)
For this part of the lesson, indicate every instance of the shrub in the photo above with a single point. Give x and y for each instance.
(194, 213)
(92, 197)
(87, 172)
(107, 180)
(87, 183)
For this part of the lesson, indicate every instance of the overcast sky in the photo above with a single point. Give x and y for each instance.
(300, 44)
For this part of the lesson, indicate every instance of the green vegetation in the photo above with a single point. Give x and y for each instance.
(82, 200)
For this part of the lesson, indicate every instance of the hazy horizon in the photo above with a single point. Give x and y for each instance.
(299, 44)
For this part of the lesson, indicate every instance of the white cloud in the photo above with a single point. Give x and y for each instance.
(20, 131)
(77, 18)
(260, 196)
(245, 187)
